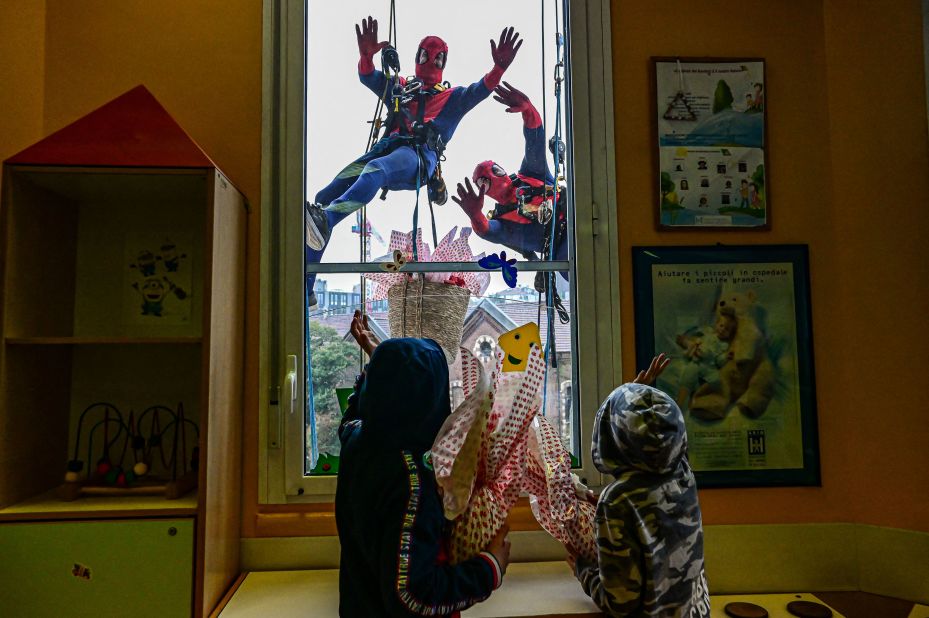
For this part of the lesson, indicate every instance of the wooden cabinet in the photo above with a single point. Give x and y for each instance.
(135, 567)
(78, 328)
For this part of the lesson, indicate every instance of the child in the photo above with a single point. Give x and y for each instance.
(706, 350)
(388, 510)
(649, 531)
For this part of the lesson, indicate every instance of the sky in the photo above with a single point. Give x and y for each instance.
(339, 107)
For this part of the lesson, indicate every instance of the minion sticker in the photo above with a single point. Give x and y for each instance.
(516, 345)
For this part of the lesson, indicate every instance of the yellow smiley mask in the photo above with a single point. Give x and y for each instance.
(515, 345)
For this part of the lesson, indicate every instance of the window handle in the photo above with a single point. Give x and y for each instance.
(288, 391)
(290, 384)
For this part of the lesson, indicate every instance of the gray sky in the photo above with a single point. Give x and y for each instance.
(339, 106)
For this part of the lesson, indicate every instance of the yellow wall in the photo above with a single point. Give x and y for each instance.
(22, 73)
(848, 168)
(201, 60)
(878, 145)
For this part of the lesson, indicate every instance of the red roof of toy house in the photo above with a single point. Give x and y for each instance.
(132, 130)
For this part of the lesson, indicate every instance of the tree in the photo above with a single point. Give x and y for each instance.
(669, 200)
(758, 177)
(330, 361)
(722, 98)
(667, 185)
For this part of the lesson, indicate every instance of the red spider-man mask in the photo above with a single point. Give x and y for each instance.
(430, 60)
(494, 180)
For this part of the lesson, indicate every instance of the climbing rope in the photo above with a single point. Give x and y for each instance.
(550, 351)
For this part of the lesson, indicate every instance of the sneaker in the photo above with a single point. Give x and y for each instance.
(438, 192)
(317, 227)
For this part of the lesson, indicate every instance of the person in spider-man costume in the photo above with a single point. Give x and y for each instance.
(522, 217)
(428, 114)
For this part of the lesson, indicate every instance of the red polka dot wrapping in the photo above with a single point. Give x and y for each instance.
(489, 470)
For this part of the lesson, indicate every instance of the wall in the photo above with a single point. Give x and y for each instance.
(848, 155)
(22, 74)
(877, 126)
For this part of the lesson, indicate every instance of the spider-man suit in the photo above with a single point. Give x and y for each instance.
(394, 163)
(522, 197)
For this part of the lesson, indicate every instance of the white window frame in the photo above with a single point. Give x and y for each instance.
(595, 293)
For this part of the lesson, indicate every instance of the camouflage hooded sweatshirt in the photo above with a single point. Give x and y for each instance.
(649, 532)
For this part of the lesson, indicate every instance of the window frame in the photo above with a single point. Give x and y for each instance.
(595, 288)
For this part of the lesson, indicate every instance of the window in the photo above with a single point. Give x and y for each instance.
(309, 351)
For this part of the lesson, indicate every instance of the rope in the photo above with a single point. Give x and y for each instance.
(362, 217)
(419, 175)
(550, 351)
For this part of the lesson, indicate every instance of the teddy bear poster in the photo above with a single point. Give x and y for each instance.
(730, 329)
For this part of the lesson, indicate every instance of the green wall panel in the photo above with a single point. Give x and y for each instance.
(137, 568)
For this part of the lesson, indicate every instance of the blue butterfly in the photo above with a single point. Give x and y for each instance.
(508, 267)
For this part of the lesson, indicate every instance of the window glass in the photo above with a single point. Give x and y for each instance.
(475, 129)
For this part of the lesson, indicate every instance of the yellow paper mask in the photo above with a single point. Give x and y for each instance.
(515, 345)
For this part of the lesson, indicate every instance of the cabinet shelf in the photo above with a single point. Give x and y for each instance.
(103, 340)
(47, 505)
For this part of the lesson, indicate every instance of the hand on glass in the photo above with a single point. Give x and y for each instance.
(504, 51)
(368, 44)
(654, 370)
(515, 100)
(470, 201)
(500, 547)
(363, 334)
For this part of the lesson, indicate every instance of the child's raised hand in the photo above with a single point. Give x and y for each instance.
(648, 376)
(500, 547)
(362, 333)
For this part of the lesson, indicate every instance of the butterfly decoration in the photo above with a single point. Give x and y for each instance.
(507, 267)
(398, 262)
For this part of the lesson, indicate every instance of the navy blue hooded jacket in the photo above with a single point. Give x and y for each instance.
(388, 509)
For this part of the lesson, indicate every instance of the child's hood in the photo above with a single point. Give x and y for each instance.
(405, 396)
(638, 428)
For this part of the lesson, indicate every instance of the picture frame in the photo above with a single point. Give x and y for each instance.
(736, 324)
(709, 123)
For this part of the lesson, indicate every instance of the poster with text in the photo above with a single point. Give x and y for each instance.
(735, 323)
(710, 120)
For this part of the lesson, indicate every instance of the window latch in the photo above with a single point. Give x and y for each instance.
(594, 218)
(286, 399)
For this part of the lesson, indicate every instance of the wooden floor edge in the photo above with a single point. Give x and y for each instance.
(228, 595)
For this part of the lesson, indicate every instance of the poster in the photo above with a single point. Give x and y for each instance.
(157, 279)
(735, 322)
(710, 120)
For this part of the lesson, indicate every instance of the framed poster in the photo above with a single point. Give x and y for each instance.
(710, 129)
(736, 323)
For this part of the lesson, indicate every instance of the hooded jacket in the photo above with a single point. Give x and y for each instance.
(388, 510)
(649, 530)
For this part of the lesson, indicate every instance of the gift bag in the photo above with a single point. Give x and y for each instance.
(457, 448)
(555, 503)
(492, 467)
